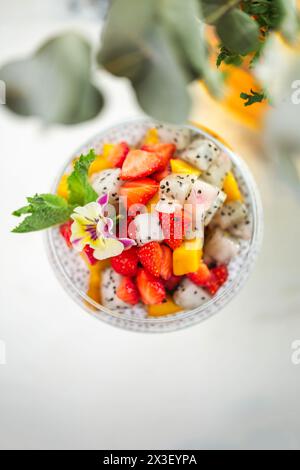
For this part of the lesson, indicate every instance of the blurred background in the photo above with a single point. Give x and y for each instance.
(72, 68)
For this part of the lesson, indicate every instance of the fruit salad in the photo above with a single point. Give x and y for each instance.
(157, 224)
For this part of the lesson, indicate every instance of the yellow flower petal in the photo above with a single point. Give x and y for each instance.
(112, 247)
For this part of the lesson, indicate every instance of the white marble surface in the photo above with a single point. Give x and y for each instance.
(73, 382)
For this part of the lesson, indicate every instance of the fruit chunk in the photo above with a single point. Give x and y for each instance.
(165, 151)
(140, 163)
(220, 247)
(151, 137)
(62, 189)
(108, 181)
(201, 153)
(160, 175)
(231, 188)
(126, 263)
(65, 231)
(166, 269)
(180, 167)
(117, 154)
(127, 291)
(151, 289)
(166, 308)
(94, 291)
(150, 255)
(174, 227)
(146, 228)
(110, 282)
(187, 258)
(138, 191)
(189, 296)
(101, 161)
(201, 276)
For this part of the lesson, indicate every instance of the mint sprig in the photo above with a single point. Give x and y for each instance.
(46, 210)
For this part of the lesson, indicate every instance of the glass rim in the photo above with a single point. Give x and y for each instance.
(224, 295)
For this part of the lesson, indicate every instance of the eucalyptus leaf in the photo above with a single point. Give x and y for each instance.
(162, 92)
(123, 49)
(238, 32)
(55, 83)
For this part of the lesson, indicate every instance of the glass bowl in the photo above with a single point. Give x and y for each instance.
(73, 273)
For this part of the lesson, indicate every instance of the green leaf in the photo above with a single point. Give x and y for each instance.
(123, 49)
(253, 97)
(54, 83)
(213, 10)
(43, 211)
(80, 190)
(228, 57)
(238, 32)
(162, 92)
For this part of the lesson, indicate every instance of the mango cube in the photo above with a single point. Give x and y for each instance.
(187, 258)
(152, 203)
(151, 137)
(231, 188)
(166, 308)
(95, 279)
(179, 166)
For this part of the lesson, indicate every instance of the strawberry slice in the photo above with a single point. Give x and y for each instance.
(174, 226)
(65, 231)
(160, 175)
(172, 282)
(140, 163)
(118, 154)
(139, 191)
(165, 151)
(201, 277)
(150, 255)
(151, 289)
(166, 269)
(221, 273)
(88, 251)
(126, 263)
(128, 292)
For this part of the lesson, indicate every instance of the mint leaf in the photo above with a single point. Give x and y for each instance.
(43, 211)
(80, 190)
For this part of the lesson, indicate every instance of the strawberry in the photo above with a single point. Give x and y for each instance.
(174, 226)
(128, 292)
(65, 231)
(150, 255)
(166, 269)
(172, 282)
(140, 163)
(202, 276)
(118, 154)
(89, 253)
(126, 263)
(212, 285)
(221, 273)
(160, 175)
(151, 289)
(138, 191)
(165, 151)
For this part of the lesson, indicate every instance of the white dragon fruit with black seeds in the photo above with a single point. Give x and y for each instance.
(188, 295)
(109, 284)
(108, 181)
(174, 190)
(147, 228)
(230, 215)
(201, 153)
(242, 230)
(170, 134)
(217, 171)
(208, 196)
(220, 247)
